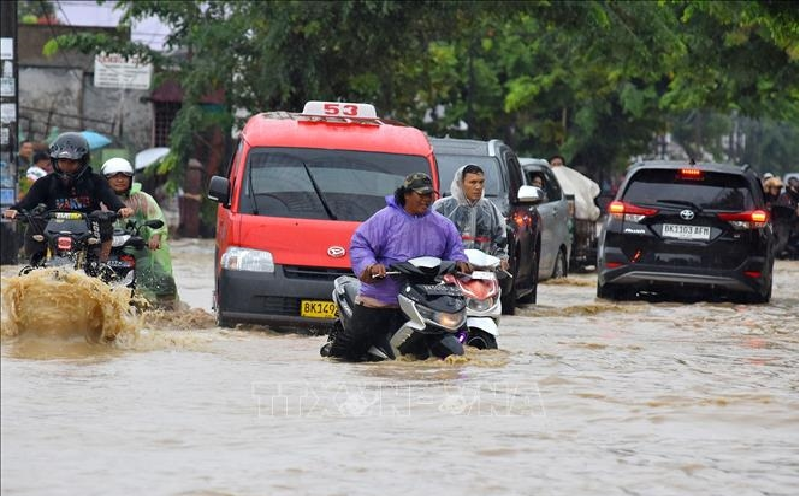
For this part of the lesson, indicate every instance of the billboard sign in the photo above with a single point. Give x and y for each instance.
(112, 70)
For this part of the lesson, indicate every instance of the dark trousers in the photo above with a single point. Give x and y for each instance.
(368, 327)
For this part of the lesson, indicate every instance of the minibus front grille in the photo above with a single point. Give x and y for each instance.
(314, 273)
(278, 305)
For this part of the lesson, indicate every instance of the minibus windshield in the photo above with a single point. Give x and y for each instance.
(351, 184)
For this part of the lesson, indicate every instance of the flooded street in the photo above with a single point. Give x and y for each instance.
(584, 397)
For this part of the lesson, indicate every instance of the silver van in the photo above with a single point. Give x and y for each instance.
(554, 210)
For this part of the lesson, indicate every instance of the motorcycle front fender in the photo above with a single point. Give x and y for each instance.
(485, 324)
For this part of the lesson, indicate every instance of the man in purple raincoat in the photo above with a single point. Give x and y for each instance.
(404, 229)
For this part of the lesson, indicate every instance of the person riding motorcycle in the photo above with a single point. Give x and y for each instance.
(72, 187)
(154, 266)
(404, 229)
(481, 224)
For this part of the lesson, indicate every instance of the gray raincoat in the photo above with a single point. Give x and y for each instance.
(481, 224)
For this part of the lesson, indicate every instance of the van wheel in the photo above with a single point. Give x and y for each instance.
(509, 299)
(222, 321)
(531, 298)
(559, 270)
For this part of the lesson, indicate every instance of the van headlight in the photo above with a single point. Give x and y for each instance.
(237, 258)
(448, 320)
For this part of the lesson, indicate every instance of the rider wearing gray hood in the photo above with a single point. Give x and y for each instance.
(479, 221)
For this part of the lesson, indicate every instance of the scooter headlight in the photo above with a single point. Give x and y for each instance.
(481, 305)
(447, 320)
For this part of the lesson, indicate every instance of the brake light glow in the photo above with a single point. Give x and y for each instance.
(620, 210)
(64, 243)
(522, 220)
(753, 219)
(752, 274)
(690, 174)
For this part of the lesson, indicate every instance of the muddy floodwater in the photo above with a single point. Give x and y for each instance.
(585, 397)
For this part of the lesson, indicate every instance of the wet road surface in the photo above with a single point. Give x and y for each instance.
(584, 397)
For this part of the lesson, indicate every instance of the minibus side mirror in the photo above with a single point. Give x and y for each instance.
(219, 190)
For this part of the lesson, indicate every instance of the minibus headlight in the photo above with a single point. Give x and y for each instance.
(236, 258)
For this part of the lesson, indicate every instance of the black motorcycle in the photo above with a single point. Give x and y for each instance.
(128, 246)
(433, 304)
(67, 239)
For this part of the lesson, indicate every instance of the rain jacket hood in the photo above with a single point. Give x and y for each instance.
(456, 188)
(480, 224)
(393, 235)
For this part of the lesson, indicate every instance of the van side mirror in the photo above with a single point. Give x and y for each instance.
(219, 190)
(530, 194)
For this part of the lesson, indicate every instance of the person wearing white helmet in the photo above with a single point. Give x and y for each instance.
(119, 174)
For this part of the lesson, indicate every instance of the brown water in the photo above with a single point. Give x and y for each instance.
(585, 397)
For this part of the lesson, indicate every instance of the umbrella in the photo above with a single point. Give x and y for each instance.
(95, 139)
(146, 158)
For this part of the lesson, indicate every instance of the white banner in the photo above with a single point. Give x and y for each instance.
(115, 71)
(8, 113)
(6, 48)
(7, 86)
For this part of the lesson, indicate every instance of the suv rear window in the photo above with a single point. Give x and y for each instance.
(709, 191)
(448, 164)
(304, 183)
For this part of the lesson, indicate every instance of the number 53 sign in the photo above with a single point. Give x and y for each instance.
(340, 109)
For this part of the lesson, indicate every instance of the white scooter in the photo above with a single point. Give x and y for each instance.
(484, 306)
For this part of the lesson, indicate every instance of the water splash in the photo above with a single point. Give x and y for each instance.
(58, 303)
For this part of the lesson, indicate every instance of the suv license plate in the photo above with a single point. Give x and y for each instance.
(686, 232)
(319, 309)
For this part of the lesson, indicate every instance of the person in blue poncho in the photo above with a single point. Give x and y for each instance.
(404, 229)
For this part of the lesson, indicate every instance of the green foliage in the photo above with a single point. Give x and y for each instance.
(594, 80)
(27, 9)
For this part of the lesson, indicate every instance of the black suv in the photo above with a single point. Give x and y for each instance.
(693, 231)
(503, 182)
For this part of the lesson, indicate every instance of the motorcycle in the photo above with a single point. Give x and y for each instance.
(128, 246)
(71, 239)
(483, 304)
(431, 301)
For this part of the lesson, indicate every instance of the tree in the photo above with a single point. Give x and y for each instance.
(593, 79)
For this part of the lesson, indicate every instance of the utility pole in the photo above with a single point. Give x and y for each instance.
(9, 112)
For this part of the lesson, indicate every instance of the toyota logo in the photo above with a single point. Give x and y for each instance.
(686, 214)
(336, 251)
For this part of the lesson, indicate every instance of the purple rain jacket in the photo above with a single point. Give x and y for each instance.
(393, 235)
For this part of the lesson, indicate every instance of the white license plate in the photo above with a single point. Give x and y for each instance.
(686, 232)
(483, 275)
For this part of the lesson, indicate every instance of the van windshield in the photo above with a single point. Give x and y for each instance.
(309, 183)
(449, 164)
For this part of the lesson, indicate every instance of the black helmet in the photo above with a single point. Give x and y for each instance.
(73, 146)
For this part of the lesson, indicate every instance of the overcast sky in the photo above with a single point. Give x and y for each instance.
(88, 13)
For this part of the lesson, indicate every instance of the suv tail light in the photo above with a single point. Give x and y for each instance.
(627, 211)
(753, 219)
